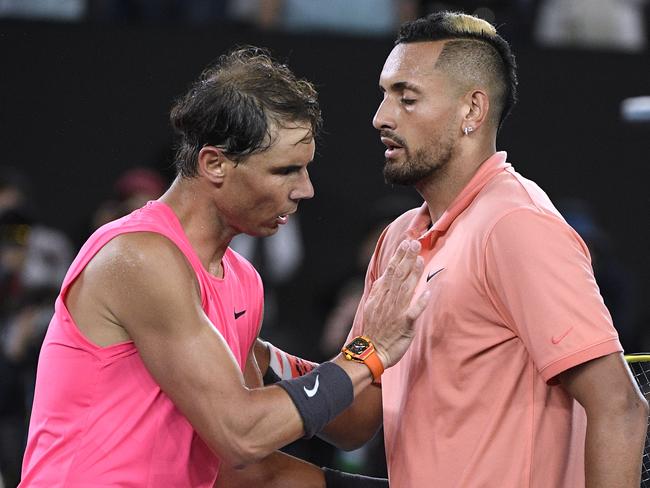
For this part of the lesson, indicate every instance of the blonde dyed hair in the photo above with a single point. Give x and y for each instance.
(468, 24)
(474, 54)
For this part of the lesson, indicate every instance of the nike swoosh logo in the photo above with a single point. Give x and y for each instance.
(310, 392)
(558, 339)
(431, 275)
(239, 314)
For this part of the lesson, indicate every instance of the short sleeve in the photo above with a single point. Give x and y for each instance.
(538, 274)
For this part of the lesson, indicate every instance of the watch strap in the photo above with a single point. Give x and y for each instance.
(375, 366)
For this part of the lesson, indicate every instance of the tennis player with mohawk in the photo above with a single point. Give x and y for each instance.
(515, 378)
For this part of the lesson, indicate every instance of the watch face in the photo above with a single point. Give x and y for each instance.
(358, 345)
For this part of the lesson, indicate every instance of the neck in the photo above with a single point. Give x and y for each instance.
(203, 225)
(441, 188)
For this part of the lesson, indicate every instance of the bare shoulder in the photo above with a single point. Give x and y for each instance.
(138, 249)
(133, 277)
(146, 268)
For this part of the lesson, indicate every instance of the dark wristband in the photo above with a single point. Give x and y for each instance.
(320, 395)
(339, 479)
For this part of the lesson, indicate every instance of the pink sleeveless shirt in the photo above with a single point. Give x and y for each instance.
(99, 419)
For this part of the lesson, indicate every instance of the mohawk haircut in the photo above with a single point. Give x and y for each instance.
(474, 54)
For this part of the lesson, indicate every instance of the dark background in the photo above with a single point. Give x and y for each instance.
(80, 103)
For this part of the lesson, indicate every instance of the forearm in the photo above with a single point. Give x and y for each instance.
(614, 448)
(350, 430)
(358, 423)
(391, 329)
(280, 469)
(617, 416)
(268, 418)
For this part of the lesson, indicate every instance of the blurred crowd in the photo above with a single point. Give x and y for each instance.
(609, 24)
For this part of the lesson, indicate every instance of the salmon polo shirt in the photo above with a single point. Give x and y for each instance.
(475, 401)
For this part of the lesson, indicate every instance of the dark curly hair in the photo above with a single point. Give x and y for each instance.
(235, 104)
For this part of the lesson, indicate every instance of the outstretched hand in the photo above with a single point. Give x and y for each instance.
(390, 311)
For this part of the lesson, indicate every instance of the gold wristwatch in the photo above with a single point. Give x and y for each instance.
(362, 350)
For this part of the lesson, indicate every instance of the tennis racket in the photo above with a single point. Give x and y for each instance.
(640, 367)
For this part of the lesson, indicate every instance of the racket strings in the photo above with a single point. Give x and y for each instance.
(641, 372)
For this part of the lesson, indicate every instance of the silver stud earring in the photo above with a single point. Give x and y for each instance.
(467, 130)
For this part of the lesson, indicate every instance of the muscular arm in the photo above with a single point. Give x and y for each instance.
(278, 470)
(617, 417)
(142, 284)
(359, 422)
(356, 425)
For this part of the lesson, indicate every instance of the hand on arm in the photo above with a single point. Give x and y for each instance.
(358, 423)
(352, 428)
(154, 296)
(617, 417)
(280, 470)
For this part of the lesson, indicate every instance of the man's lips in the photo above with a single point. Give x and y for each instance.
(394, 144)
(393, 147)
(284, 218)
(391, 143)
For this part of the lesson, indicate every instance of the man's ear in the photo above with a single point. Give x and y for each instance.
(476, 109)
(212, 163)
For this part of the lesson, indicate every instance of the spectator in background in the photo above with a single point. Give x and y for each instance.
(131, 190)
(609, 24)
(35, 256)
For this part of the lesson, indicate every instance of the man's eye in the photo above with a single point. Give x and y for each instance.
(408, 101)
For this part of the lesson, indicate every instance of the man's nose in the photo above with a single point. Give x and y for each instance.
(383, 118)
(304, 190)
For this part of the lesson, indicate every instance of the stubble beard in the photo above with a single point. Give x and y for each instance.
(423, 163)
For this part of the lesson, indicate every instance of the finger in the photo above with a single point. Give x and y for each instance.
(385, 281)
(404, 266)
(405, 292)
(396, 259)
(418, 306)
(407, 268)
(417, 269)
